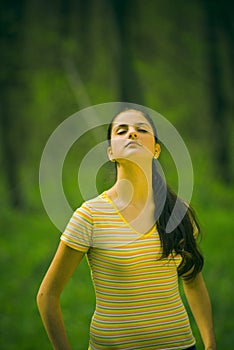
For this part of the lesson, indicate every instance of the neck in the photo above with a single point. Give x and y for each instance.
(134, 183)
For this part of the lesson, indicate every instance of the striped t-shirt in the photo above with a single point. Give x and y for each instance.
(138, 305)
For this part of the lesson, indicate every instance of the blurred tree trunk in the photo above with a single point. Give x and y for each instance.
(130, 89)
(218, 25)
(76, 17)
(10, 86)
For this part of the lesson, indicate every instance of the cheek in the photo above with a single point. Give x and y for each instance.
(116, 145)
(150, 144)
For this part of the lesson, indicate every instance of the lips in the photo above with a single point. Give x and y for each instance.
(133, 143)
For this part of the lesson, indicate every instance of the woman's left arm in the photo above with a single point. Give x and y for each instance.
(199, 302)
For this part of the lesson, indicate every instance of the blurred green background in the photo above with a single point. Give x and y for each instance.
(59, 57)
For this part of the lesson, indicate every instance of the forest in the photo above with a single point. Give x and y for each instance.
(62, 57)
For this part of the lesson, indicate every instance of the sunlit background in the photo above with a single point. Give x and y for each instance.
(59, 57)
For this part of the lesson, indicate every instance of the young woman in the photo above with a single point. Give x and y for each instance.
(135, 262)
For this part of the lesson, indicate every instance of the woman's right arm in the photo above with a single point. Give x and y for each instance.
(61, 269)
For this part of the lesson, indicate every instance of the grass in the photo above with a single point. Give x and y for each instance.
(28, 242)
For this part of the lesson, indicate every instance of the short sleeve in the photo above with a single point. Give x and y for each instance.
(78, 233)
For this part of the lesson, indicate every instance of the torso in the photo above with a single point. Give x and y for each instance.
(138, 305)
(137, 298)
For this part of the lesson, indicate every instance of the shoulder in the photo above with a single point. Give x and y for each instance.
(93, 205)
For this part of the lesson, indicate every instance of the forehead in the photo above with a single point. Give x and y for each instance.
(131, 117)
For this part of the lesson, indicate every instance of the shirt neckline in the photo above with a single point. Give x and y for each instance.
(148, 233)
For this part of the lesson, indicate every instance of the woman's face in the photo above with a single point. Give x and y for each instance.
(132, 137)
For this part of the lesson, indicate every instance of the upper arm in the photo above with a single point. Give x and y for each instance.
(196, 282)
(61, 269)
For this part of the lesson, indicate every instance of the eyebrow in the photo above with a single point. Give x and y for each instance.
(126, 125)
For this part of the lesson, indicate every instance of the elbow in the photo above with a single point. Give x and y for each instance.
(45, 300)
(40, 299)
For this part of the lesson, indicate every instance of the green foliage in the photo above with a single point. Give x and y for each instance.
(68, 57)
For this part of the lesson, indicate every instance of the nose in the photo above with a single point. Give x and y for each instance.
(133, 135)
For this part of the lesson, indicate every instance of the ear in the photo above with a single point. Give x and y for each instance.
(110, 155)
(157, 151)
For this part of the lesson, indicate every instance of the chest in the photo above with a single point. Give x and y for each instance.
(141, 219)
(125, 255)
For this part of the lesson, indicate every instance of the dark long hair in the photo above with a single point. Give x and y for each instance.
(181, 240)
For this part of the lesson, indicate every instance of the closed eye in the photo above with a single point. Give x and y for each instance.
(142, 130)
(121, 131)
